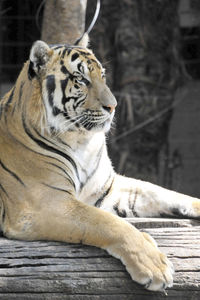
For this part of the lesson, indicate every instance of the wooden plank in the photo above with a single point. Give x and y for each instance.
(160, 222)
(51, 270)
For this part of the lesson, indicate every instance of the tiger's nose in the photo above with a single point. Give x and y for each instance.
(107, 99)
(109, 108)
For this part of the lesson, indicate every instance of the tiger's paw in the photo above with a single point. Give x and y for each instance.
(195, 209)
(147, 265)
(157, 265)
(190, 209)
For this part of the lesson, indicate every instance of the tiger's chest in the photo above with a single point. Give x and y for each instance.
(88, 155)
(93, 165)
(95, 169)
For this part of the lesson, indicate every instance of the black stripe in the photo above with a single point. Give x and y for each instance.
(63, 142)
(69, 51)
(100, 200)
(43, 137)
(64, 52)
(85, 54)
(31, 72)
(64, 70)
(9, 101)
(10, 97)
(11, 173)
(68, 176)
(77, 103)
(74, 56)
(50, 141)
(67, 99)
(3, 212)
(121, 213)
(51, 86)
(20, 93)
(63, 87)
(2, 188)
(56, 188)
(14, 107)
(56, 111)
(3, 215)
(50, 148)
(80, 68)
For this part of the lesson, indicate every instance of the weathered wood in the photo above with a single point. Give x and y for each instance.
(51, 270)
(160, 222)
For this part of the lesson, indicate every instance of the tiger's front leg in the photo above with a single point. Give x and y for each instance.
(76, 222)
(128, 197)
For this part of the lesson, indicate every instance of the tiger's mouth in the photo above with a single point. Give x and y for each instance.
(95, 121)
(88, 120)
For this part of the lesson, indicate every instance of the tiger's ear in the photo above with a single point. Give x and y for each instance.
(39, 56)
(83, 41)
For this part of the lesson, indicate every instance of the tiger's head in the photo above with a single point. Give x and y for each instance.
(73, 87)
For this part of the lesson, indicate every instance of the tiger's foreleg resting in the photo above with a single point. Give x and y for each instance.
(130, 197)
(76, 222)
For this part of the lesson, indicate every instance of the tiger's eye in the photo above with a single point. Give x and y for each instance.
(82, 80)
(79, 78)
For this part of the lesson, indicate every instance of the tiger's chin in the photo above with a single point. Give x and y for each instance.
(100, 127)
(103, 127)
(106, 126)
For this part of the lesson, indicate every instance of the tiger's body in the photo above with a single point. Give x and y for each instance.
(55, 173)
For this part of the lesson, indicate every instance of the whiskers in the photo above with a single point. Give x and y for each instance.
(93, 121)
(63, 125)
(87, 120)
(68, 124)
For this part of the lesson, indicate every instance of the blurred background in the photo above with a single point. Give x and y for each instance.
(151, 51)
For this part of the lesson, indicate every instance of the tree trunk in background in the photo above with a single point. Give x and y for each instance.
(140, 39)
(63, 21)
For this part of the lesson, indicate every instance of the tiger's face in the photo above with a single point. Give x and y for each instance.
(74, 89)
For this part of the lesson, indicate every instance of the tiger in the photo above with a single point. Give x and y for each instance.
(57, 182)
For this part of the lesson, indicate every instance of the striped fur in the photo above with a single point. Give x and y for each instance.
(55, 173)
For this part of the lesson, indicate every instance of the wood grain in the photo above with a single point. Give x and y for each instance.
(51, 270)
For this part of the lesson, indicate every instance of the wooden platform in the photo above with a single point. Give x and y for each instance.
(51, 270)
